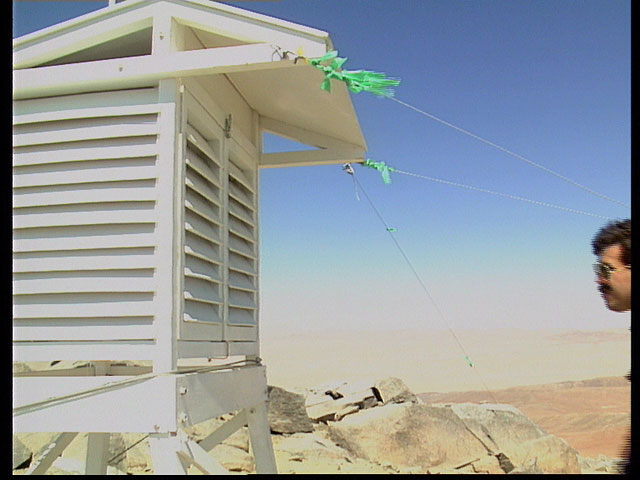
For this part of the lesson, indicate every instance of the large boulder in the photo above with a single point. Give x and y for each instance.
(393, 390)
(407, 435)
(287, 412)
(21, 454)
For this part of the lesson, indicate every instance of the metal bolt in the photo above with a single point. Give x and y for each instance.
(183, 390)
(183, 418)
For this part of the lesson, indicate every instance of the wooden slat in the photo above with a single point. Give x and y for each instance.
(85, 133)
(241, 195)
(81, 154)
(201, 247)
(241, 299)
(57, 219)
(202, 276)
(82, 332)
(241, 281)
(197, 164)
(241, 264)
(94, 112)
(240, 177)
(93, 195)
(201, 144)
(201, 207)
(84, 242)
(239, 316)
(195, 311)
(116, 309)
(203, 267)
(79, 263)
(83, 285)
(198, 289)
(199, 185)
(241, 214)
(240, 229)
(242, 246)
(84, 176)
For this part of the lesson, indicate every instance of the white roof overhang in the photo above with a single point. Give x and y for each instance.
(78, 56)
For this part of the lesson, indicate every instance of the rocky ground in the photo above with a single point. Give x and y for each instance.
(384, 428)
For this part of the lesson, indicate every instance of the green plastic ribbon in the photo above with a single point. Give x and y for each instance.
(356, 80)
(391, 229)
(468, 361)
(385, 170)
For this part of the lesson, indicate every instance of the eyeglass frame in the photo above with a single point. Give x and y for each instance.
(605, 270)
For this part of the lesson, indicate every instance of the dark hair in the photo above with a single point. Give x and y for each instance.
(616, 232)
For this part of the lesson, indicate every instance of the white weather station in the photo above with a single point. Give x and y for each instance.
(137, 137)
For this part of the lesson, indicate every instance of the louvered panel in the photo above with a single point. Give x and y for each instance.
(241, 229)
(45, 283)
(82, 305)
(240, 298)
(241, 316)
(202, 206)
(84, 173)
(116, 193)
(242, 281)
(202, 248)
(241, 263)
(242, 246)
(82, 152)
(207, 169)
(241, 212)
(26, 219)
(240, 194)
(51, 136)
(201, 227)
(92, 260)
(202, 187)
(201, 312)
(243, 180)
(85, 219)
(200, 266)
(203, 290)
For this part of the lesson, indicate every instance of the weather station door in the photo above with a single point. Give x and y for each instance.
(220, 236)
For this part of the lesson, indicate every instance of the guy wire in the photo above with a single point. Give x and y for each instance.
(509, 152)
(424, 288)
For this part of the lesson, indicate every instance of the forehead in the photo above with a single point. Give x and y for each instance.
(612, 255)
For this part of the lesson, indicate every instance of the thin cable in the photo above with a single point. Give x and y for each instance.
(32, 407)
(509, 152)
(506, 195)
(424, 287)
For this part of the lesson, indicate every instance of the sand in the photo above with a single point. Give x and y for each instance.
(433, 361)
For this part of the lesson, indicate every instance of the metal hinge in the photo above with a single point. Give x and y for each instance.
(227, 126)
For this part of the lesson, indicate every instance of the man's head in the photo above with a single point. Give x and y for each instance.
(612, 245)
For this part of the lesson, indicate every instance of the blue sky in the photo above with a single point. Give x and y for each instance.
(548, 80)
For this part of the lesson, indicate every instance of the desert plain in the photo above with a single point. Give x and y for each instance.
(570, 382)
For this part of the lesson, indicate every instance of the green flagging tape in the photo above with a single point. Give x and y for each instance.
(356, 80)
(382, 168)
(468, 361)
(391, 229)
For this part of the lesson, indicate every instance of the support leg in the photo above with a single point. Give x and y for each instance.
(164, 453)
(97, 453)
(53, 451)
(260, 435)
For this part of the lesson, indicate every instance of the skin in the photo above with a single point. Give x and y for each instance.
(616, 291)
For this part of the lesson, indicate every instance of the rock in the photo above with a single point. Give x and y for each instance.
(326, 402)
(200, 431)
(287, 412)
(232, 458)
(21, 454)
(407, 435)
(552, 454)
(393, 390)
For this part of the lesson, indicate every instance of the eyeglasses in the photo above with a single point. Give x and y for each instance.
(605, 270)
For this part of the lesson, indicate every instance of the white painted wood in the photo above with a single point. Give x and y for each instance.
(260, 435)
(92, 195)
(75, 350)
(205, 462)
(81, 239)
(54, 219)
(216, 349)
(108, 260)
(73, 309)
(303, 135)
(59, 155)
(51, 453)
(87, 133)
(311, 157)
(97, 453)
(224, 431)
(90, 172)
(134, 407)
(164, 454)
(84, 331)
(220, 392)
(142, 70)
(82, 284)
(73, 114)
